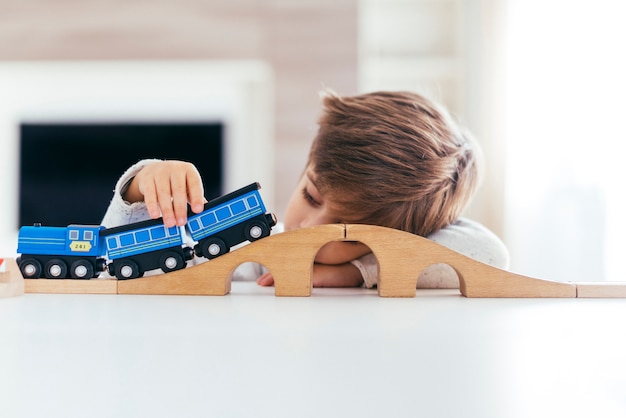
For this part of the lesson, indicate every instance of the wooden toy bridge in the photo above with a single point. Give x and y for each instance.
(289, 256)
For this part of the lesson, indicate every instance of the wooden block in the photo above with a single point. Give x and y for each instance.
(93, 286)
(11, 281)
(601, 289)
(403, 256)
(289, 256)
(292, 262)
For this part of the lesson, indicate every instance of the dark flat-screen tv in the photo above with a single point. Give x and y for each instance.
(68, 170)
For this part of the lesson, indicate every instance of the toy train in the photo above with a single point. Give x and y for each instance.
(128, 251)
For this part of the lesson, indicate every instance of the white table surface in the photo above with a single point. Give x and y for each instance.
(338, 353)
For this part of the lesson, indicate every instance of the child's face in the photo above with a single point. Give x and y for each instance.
(307, 207)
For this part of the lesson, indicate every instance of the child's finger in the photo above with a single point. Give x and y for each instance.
(266, 280)
(179, 197)
(195, 191)
(164, 197)
(150, 198)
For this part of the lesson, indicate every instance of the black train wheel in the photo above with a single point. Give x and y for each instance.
(30, 268)
(256, 230)
(171, 261)
(127, 269)
(55, 269)
(81, 269)
(213, 247)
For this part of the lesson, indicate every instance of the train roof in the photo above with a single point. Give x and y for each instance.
(40, 225)
(227, 197)
(129, 227)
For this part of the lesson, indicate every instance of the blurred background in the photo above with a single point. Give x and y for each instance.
(540, 84)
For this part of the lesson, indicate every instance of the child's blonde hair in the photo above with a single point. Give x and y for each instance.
(393, 159)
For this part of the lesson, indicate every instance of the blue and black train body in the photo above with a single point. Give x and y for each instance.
(75, 251)
(136, 248)
(128, 251)
(229, 220)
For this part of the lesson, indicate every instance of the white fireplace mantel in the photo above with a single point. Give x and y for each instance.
(236, 93)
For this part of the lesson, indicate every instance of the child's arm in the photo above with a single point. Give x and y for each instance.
(325, 275)
(336, 275)
(333, 267)
(340, 252)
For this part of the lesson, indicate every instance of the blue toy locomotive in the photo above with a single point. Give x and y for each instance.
(128, 251)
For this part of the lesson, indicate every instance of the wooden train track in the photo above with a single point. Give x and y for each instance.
(289, 256)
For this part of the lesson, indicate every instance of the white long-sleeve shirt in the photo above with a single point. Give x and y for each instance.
(464, 236)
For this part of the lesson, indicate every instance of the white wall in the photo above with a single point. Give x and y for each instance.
(565, 136)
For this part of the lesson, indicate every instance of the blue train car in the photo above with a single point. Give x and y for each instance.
(53, 252)
(136, 248)
(230, 220)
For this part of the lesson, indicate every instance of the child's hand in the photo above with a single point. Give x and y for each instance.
(166, 187)
(324, 275)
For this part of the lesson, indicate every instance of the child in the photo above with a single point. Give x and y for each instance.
(392, 159)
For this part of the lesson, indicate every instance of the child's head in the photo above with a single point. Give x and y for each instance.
(392, 159)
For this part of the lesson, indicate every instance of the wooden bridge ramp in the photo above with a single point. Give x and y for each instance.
(289, 256)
